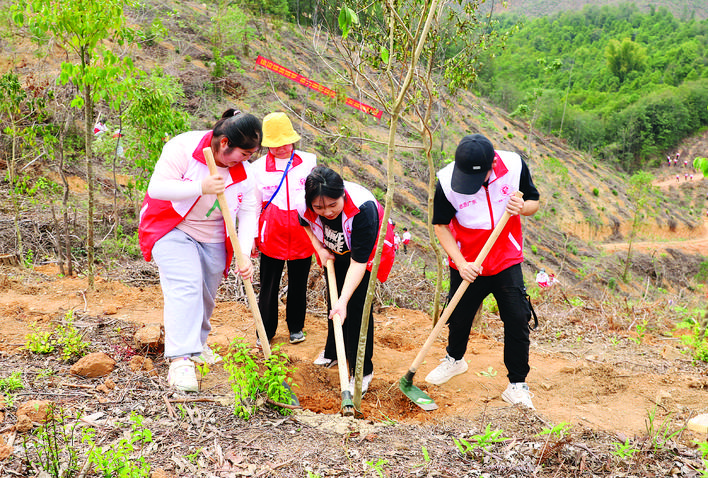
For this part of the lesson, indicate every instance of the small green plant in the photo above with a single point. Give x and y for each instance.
(557, 431)
(624, 450)
(641, 332)
(482, 441)
(378, 466)
(28, 259)
(117, 459)
(248, 384)
(203, 369)
(70, 339)
(192, 458)
(703, 448)
(659, 434)
(12, 383)
(576, 301)
(534, 249)
(66, 337)
(697, 339)
(612, 283)
(596, 192)
(54, 446)
(311, 474)
(40, 342)
(490, 372)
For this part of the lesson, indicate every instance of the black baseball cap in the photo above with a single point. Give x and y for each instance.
(473, 160)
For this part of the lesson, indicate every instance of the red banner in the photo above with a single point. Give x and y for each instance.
(313, 85)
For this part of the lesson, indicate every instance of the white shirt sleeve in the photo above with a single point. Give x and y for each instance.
(247, 215)
(167, 181)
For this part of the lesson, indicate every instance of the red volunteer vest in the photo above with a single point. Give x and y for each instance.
(356, 195)
(478, 213)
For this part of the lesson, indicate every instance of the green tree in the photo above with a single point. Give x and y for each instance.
(87, 29)
(20, 111)
(151, 118)
(624, 57)
(640, 190)
(397, 55)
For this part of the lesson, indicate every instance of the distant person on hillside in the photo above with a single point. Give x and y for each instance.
(685, 163)
(280, 184)
(685, 176)
(668, 158)
(676, 160)
(542, 278)
(406, 238)
(182, 228)
(471, 196)
(678, 178)
(343, 219)
(396, 241)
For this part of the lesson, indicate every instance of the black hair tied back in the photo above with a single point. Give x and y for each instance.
(243, 130)
(230, 112)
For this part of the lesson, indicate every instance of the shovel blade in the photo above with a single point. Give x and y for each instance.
(416, 395)
(293, 398)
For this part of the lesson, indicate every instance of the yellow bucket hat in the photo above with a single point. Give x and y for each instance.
(278, 131)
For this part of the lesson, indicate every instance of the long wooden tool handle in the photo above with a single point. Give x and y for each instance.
(460, 292)
(250, 293)
(337, 326)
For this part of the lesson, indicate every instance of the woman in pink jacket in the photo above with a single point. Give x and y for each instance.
(280, 183)
(182, 228)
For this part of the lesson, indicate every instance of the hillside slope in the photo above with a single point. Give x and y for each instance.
(584, 201)
(684, 9)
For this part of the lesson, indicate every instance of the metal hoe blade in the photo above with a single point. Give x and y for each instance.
(416, 395)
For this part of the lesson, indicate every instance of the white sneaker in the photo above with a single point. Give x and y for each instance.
(446, 370)
(207, 356)
(325, 362)
(366, 381)
(518, 393)
(182, 375)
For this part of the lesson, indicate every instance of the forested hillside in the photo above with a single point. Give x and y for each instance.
(684, 9)
(624, 84)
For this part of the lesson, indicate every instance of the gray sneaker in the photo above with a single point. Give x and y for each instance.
(518, 393)
(297, 337)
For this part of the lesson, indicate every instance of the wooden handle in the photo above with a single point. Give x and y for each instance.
(460, 291)
(337, 326)
(250, 293)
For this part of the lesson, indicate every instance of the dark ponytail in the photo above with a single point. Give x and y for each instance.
(243, 130)
(323, 181)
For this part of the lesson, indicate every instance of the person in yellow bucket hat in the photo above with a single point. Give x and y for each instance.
(280, 182)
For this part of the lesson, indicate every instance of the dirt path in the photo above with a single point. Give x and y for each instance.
(579, 379)
(669, 179)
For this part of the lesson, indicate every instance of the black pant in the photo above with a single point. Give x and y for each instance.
(508, 289)
(352, 324)
(296, 306)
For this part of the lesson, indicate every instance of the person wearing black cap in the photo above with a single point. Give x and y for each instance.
(471, 196)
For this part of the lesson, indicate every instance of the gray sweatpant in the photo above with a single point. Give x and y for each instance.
(190, 274)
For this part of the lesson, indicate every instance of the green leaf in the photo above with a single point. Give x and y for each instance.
(347, 18)
(384, 54)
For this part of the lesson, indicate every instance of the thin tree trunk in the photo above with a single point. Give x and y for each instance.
(88, 135)
(65, 197)
(12, 173)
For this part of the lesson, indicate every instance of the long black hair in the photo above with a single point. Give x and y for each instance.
(243, 130)
(323, 181)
